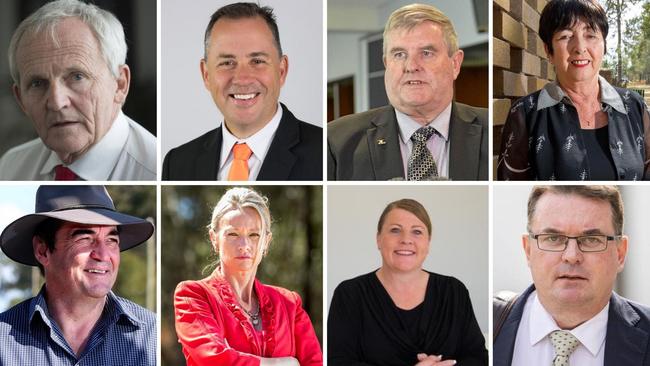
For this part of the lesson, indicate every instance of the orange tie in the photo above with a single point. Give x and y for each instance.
(239, 167)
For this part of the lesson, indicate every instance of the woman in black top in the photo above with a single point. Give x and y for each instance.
(402, 314)
(578, 127)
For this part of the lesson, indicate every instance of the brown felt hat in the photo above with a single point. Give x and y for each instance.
(81, 204)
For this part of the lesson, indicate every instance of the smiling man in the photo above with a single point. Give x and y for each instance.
(422, 134)
(575, 249)
(75, 238)
(67, 61)
(260, 139)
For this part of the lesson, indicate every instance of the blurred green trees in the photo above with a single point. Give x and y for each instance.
(294, 260)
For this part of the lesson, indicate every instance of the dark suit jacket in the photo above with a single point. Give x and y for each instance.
(296, 153)
(627, 339)
(365, 146)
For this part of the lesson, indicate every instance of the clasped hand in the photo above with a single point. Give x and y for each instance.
(433, 360)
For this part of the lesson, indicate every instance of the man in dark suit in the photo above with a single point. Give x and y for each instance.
(570, 315)
(244, 69)
(423, 134)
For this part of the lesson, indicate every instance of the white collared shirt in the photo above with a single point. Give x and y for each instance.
(259, 144)
(438, 144)
(126, 152)
(534, 348)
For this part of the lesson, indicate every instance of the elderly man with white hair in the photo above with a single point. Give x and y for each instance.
(67, 61)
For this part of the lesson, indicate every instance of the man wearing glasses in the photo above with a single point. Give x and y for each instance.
(575, 249)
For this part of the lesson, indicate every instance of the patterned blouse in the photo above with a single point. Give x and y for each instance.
(542, 138)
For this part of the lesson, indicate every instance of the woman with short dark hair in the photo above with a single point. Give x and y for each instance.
(578, 127)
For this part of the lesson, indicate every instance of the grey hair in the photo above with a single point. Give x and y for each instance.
(104, 25)
(410, 16)
(239, 198)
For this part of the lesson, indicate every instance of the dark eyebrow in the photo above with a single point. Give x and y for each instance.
(593, 232)
(225, 55)
(85, 231)
(82, 231)
(258, 54)
(586, 232)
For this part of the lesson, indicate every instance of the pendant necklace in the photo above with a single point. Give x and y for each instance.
(255, 316)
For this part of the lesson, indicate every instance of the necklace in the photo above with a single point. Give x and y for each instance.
(255, 316)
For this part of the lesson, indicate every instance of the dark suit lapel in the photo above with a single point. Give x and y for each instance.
(504, 345)
(465, 144)
(280, 159)
(383, 145)
(207, 163)
(625, 344)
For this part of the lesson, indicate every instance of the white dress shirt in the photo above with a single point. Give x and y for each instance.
(438, 144)
(259, 144)
(534, 348)
(126, 152)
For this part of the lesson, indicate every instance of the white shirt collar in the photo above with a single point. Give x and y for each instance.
(552, 94)
(98, 162)
(591, 333)
(259, 142)
(408, 126)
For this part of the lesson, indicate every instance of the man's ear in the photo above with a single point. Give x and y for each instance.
(41, 252)
(123, 83)
(525, 244)
(621, 252)
(457, 61)
(284, 68)
(19, 99)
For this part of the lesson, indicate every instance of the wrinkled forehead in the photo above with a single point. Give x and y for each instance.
(69, 35)
(415, 35)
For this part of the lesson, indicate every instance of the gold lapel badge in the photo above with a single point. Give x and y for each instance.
(381, 142)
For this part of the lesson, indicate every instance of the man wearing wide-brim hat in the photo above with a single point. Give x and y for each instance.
(75, 236)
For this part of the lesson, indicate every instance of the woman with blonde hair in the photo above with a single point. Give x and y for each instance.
(230, 317)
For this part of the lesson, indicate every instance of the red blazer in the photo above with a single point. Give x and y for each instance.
(214, 330)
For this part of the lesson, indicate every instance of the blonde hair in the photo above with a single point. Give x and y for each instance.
(412, 15)
(239, 198)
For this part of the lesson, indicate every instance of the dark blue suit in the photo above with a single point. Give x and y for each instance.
(626, 342)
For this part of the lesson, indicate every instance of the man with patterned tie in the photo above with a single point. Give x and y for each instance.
(575, 249)
(423, 134)
(67, 61)
(260, 139)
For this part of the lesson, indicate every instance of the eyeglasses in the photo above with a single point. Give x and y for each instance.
(586, 243)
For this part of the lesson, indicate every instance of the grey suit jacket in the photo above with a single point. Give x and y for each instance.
(365, 146)
(627, 339)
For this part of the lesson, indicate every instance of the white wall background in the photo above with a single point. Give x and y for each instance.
(459, 245)
(510, 269)
(187, 109)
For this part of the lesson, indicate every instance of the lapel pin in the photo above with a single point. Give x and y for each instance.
(381, 142)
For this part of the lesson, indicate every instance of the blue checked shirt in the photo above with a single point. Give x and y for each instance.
(124, 335)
